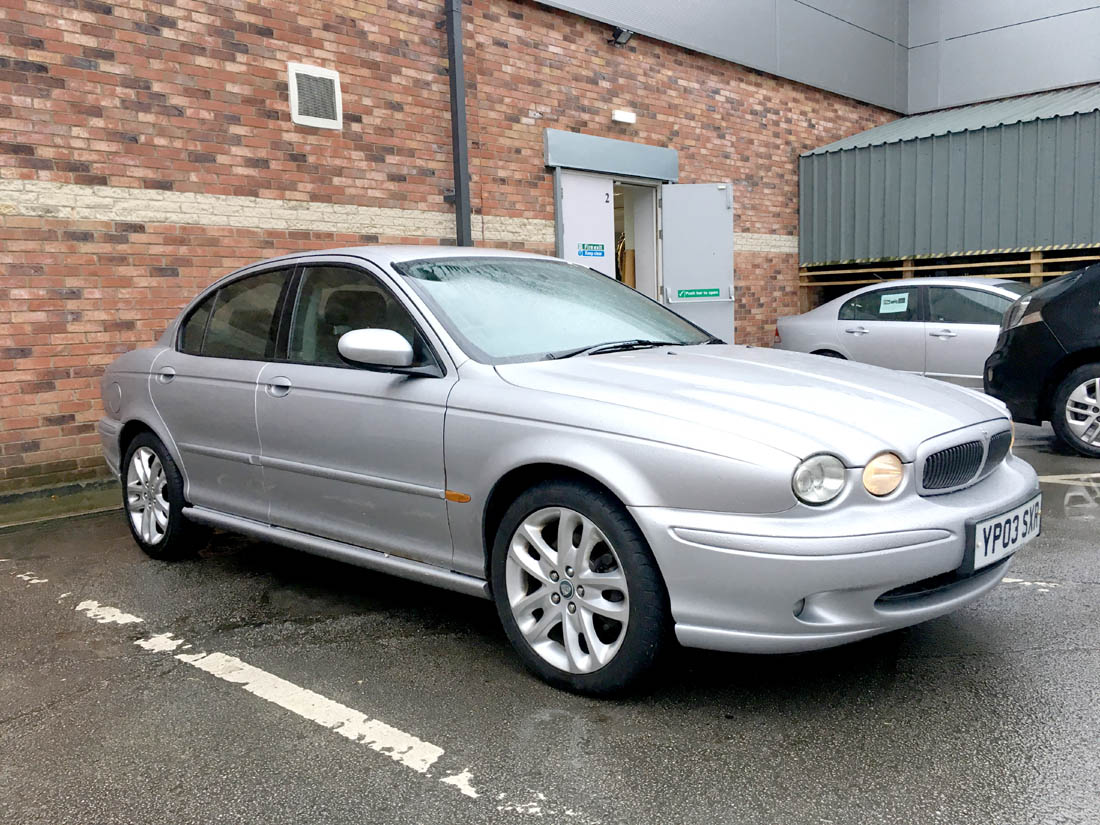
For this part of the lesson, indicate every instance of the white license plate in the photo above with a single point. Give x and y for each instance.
(999, 537)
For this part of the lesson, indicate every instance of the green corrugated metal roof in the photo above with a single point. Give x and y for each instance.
(970, 118)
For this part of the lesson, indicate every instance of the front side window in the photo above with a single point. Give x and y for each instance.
(333, 300)
(237, 321)
(894, 304)
(523, 309)
(960, 305)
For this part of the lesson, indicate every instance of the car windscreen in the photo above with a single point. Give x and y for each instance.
(502, 310)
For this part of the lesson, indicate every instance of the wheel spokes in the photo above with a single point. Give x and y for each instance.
(569, 601)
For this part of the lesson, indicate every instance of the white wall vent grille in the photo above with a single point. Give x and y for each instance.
(314, 96)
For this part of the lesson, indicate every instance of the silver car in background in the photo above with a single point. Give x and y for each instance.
(525, 430)
(940, 327)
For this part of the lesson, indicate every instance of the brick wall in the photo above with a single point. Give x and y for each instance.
(146, 149)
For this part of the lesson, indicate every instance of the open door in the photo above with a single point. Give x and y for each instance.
(697, 254)
(587, 221)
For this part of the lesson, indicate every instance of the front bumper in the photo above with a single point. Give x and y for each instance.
(735, 582)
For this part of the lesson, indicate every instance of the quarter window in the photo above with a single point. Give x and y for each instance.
(238, 321)
(893, 304)
(960, 305)
(333, 300)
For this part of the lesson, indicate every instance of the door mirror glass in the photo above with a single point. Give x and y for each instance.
(376, 348)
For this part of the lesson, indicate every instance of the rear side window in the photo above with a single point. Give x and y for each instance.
(895, 304)
(959, 305)
(238, 321)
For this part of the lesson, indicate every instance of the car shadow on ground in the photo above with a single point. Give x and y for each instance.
(299, 587)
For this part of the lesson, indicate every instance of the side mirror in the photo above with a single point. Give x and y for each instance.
(376, 348)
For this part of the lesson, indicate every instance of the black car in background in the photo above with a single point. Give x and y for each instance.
(1046, 365)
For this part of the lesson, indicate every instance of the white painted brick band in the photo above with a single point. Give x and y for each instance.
(70, 201)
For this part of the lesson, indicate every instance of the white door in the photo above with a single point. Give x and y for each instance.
(588, 221)
(697, 254)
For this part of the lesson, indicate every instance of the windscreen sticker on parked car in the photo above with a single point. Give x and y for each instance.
(894, 302)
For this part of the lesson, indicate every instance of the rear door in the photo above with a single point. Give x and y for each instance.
(884, 327)
(697, 254)
(205, 391)
(961, 331)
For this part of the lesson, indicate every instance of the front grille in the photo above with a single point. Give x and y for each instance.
(998, 449)
(952, 467)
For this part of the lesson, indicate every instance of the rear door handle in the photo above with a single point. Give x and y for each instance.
(278, 386)
(944, 333)
(857, 330)
(166, 375)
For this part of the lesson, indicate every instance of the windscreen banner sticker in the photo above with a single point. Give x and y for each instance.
(894, 302)
(590, 250)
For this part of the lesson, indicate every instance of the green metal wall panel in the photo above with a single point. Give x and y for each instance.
(1030, 184)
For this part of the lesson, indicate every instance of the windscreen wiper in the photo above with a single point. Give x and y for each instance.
(615, 346)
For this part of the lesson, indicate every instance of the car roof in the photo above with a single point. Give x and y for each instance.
(383, 254)
(945, 280)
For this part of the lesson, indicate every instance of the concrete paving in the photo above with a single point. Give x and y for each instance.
(989, 715)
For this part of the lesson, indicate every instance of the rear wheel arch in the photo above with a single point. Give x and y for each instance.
(135, 427)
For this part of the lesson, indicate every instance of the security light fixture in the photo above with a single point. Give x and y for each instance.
(620, 37)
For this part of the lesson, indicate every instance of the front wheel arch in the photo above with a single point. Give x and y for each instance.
(519, 480)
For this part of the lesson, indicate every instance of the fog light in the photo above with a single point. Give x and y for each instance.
(883, 474)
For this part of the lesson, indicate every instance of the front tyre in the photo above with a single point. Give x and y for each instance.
(152, 495)
(1076, 414)
(577, 589)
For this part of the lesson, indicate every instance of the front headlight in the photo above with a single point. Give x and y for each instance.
(819, 479)
(883, 474)
(1018, 315)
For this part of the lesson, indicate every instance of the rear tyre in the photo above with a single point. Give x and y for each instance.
(828, 353)
(577, 589)
(1076, 412)
(152, 496)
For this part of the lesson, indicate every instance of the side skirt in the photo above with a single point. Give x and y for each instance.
(349, 553)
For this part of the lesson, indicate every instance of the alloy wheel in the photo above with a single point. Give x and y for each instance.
(1083, 412)
(145, 496)
(567, 590)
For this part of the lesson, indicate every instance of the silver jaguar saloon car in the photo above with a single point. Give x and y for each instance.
(522, 429)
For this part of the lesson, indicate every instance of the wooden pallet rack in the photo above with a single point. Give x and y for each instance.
(818, 284)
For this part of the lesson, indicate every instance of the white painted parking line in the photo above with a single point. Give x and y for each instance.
(408, 750)
(31, 578)
(105, 615)
(1070, 478)
(351, 724)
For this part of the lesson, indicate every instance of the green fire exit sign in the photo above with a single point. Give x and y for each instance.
(698, 293)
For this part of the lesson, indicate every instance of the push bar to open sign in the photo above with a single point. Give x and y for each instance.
(712, 293)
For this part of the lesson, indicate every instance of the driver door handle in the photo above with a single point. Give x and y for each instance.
(166, 374)
(278, 386)
(857, 330)
(944, 333)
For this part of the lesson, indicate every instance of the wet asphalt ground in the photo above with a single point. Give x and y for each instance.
(991, 715)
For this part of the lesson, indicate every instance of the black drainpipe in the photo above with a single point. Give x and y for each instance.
(460, 151)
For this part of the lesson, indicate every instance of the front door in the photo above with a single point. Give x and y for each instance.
(883, 327)
(349, 453)
(697, 254)
(961, 331)
(205, 391)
